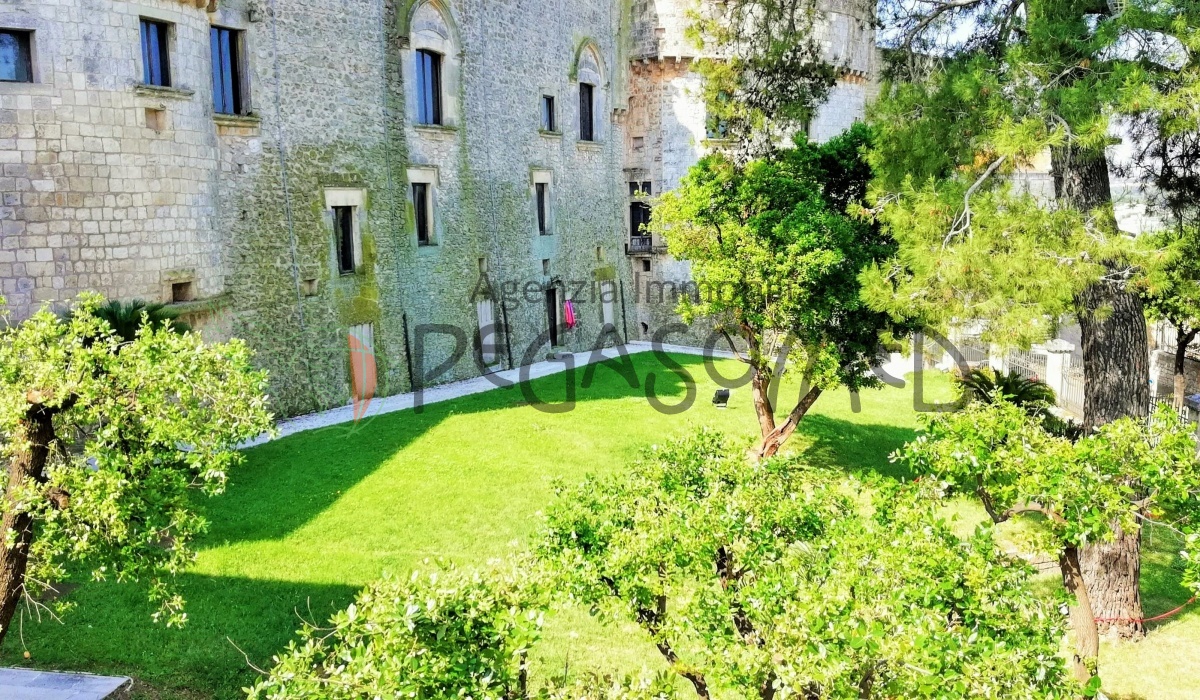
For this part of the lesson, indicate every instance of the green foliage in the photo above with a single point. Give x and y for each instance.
(126, 318)
(1124, 471)
(985, 385)
(763, 68)
(1171, 286)
(772, 578)
(773, 250)
(134, 433)
(439, 635)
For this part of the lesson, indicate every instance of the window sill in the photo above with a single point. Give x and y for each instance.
(172, 93)
(436, 129)
(13, 87)
(237, 119)
(237, 124)
(550, 134)
(589, 145)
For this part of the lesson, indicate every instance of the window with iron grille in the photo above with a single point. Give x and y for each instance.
(226, 52)
(429, 87)
(16, 56)
(156, 53)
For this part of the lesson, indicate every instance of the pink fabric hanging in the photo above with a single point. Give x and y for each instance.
(569, 313)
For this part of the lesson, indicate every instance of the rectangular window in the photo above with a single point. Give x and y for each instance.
(543, 191)
(227, 70)
(16, 57)
(421, 213)
(156, 61)
(429, 87)
(639, 218)
(343, 228)
(548, 121)
(640, 189)
(587, 130)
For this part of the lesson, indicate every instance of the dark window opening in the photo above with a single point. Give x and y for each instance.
(421, 218)
(548, 122)
(639, 219)
(645, 266)
(156, 61)
(429, 87)
(552, 314)
(587, 131)
(343, 228)
(227, 70)
(542, 190)
(16, 57)
(182, 292)
(640, 189)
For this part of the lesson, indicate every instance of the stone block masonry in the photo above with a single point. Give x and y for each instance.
(145, 192)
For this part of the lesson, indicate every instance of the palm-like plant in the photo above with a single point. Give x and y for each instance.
(126, 318)
(985, 386)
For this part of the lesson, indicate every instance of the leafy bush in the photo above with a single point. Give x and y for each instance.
(437, 635)
(776, 579)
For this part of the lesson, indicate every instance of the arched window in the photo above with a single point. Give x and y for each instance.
(593, 88)
(431, 69)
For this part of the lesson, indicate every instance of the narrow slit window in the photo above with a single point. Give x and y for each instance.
(429, 87)
(343, 228)
(16, 56)
(543, 191)
(587, 119)
(227, 70)
(421, 213)
(548, 121)
(156, 61)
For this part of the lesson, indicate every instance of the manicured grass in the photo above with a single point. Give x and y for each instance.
(312, 518)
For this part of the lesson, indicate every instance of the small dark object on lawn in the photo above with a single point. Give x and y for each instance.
(721, 398)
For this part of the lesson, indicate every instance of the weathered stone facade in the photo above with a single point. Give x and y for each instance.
(141, 191)
(666, 128)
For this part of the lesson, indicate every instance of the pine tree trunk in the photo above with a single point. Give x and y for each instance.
(1116, 375)
(26, 465)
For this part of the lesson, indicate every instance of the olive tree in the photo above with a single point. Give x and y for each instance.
(104, 440)
(758, 580)
(1073, 492)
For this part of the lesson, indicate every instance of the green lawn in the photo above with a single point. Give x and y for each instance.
(312, 518)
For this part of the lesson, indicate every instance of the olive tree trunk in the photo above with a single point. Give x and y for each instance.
(1116, 373)
(1083, 624)
(27, 465)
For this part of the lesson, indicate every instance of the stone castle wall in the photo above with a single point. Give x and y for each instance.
(143, 192)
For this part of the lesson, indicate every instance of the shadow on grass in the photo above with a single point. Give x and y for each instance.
(200, 655)
(854, 446)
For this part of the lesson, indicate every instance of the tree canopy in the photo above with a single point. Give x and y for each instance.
(106, 439)
(776, 246)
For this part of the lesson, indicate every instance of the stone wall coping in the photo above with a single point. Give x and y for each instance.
(211, 303)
